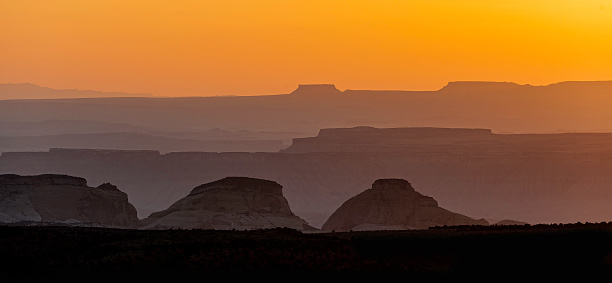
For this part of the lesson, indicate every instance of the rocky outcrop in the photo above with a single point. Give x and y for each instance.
(65, 199)
(239, 203)
(393, 204)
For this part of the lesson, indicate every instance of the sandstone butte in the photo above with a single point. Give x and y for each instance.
(393, 204)
(230, 203)
(51, 198)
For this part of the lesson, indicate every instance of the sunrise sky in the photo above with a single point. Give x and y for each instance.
(253, 47)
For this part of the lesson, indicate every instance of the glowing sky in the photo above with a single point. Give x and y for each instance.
(248, 47)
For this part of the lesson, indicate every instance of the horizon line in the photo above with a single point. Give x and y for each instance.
(152, 95)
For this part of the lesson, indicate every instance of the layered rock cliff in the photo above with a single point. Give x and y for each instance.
(239, 203)
(393, 204)
(535, 178)
(63, 198)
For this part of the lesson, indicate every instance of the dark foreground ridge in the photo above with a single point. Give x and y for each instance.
(101, 253)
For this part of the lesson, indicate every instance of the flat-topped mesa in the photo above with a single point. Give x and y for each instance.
(368, 139)
(42, 180)
(316, 89)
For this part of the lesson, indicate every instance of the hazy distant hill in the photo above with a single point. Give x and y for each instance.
(502, 107)
(58, 127)
(449, 141)
(43, 135)
(32, 91)
(134, 141)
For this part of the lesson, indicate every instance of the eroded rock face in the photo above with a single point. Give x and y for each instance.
(62, 198)
(239, 203)
(393, 204)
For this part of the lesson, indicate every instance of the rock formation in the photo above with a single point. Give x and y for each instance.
(535, 178)
(316, 89)
(63, 198)
(239, 203)
(393, 204)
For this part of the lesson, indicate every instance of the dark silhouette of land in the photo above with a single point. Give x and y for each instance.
(554, 251)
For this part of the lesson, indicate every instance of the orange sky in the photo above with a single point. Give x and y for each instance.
(251, 47)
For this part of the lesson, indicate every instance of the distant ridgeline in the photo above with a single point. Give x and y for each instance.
(452, 141)
(500, 106)
(400, 133)
(508, 87)
(32, 91)
(104, 152)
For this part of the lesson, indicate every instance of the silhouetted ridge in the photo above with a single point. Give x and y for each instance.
(316, 89)
(42, 180)
(484, 87)
(481, 86)
(104, 152)
(32, 91)
(413, 132)
(601, 87)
